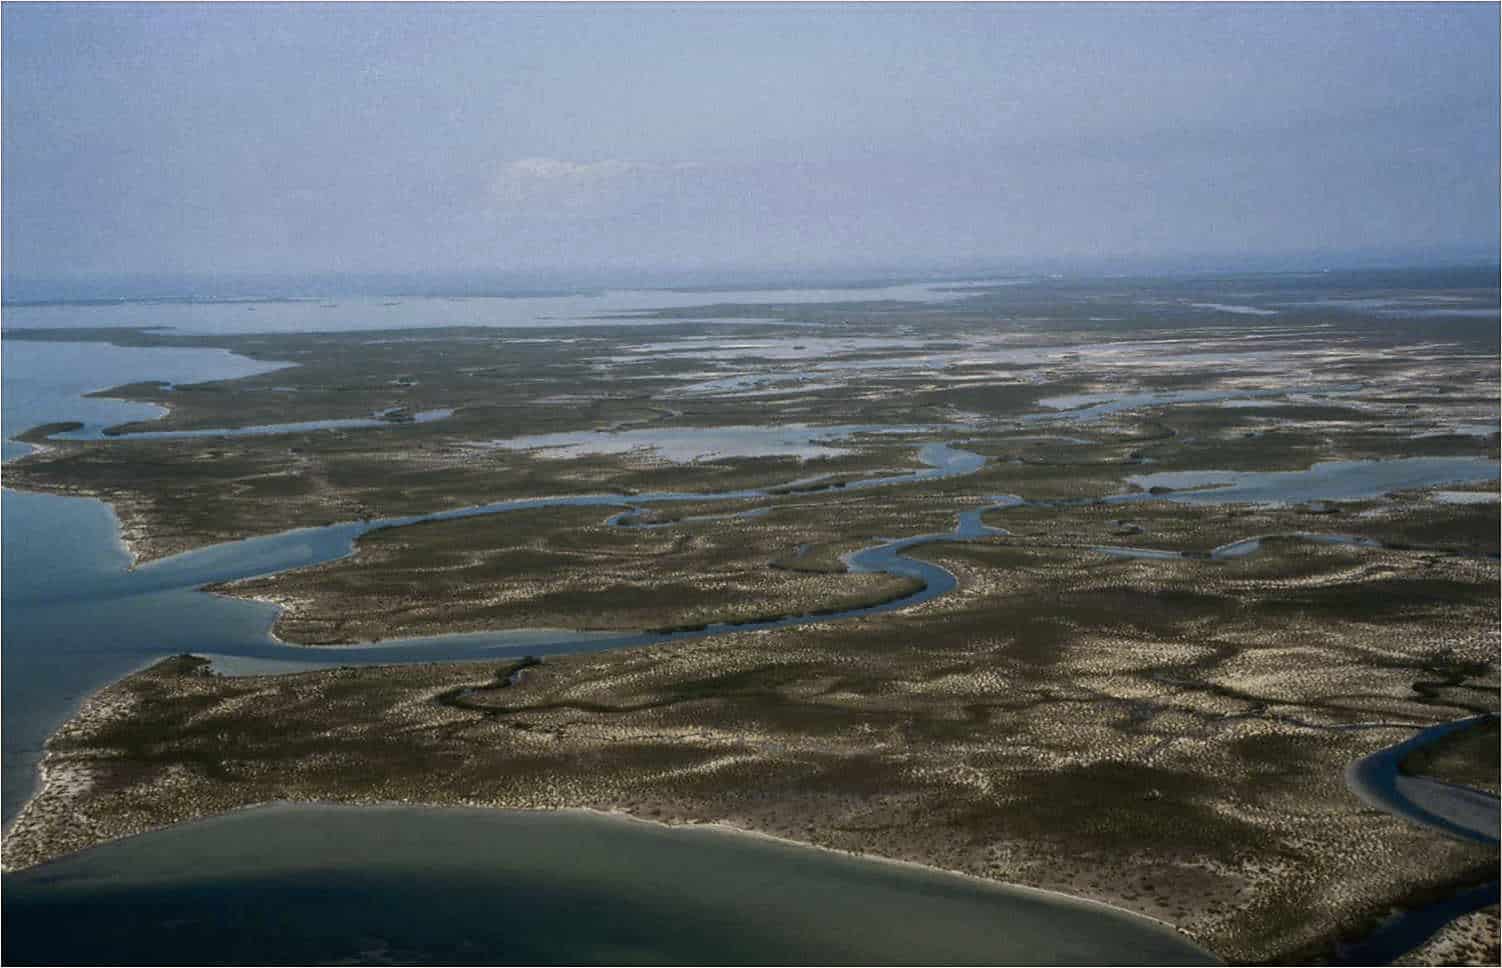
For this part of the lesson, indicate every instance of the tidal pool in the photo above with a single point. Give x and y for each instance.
(1085, 407)
(1466, 497)
(95, 432)
(310, 884)
(1348, 480)
(1235, 309)
(684, 445)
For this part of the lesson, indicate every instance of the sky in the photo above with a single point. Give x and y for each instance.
(433, 138)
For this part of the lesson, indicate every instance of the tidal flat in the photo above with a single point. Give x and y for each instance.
(1167, 734)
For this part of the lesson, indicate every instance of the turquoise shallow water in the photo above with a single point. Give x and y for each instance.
(317, 884)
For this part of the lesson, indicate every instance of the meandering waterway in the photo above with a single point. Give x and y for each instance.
(82, 620)
(1448, 809)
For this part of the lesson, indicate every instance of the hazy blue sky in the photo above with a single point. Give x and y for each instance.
(245, 138)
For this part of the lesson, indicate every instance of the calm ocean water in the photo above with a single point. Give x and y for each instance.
(420, 312)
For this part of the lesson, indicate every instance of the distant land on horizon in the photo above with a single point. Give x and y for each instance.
(175, 287)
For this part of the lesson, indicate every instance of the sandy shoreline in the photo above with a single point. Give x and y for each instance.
(70, 783)
(132, 533)
(77, 786)
(732, 830)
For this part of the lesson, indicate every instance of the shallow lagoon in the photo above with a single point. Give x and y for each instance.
(1350, 480)
(425, 885)
(258, 430)
(682, 445)
(46, 382)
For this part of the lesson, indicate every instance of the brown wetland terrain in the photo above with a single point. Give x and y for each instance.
(1120, 698)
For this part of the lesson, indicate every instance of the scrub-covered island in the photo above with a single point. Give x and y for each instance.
(1176, 595)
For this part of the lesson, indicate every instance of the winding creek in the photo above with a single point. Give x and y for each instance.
(86, 620)
(78, 616)
(1448, 809)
